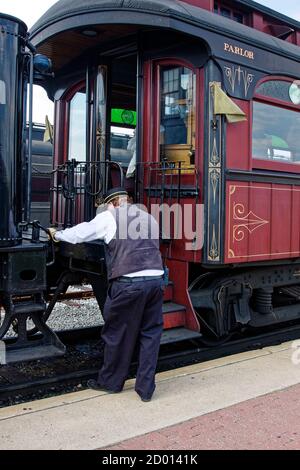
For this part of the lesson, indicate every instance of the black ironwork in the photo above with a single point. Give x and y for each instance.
(12, 45)
(163, 185)
(22, 287)
(75, 183)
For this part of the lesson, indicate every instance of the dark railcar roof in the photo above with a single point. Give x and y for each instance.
(65, 7)
(172, 9)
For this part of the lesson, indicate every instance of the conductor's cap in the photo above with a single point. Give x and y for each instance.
(113, 193)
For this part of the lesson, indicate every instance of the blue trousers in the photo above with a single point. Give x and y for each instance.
(133, 316)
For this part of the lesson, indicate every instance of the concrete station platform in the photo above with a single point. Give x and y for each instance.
(246, 401)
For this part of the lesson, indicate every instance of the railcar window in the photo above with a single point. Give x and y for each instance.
(122, 145)
(275, 133)
(225, 12)
(122, 136)
(77, 127)
(234, 15)
(177, 118)
(238, 17)
(277, 89)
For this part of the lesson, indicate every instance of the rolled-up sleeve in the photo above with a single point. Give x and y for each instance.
(102, 227)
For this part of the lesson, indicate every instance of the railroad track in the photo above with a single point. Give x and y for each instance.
(22, 382)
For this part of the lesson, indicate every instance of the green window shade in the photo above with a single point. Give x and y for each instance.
(123, 116)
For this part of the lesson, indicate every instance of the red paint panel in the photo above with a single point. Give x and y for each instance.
(182, 225)
(258, 21)
(174, 319)
(237, 149)
(275, 166)
(295, 222)
(262, 222)
(206, 4)
(281, 220)
(178, 274)
(168, 293)
(260, 218)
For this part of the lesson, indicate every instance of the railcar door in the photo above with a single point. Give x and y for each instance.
(81, 116)
(173, 142)
(171, 172)
(96, 120)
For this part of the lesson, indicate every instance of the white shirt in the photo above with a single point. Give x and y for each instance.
(102, 227)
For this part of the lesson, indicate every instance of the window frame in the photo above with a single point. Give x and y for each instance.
(233, 11)
(259, 163)
(78, 87)
(157, 66)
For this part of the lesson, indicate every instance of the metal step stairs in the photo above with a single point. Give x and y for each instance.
(174, 320)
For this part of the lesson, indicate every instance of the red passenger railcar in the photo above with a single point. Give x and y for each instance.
(212, 91)
(169, 63)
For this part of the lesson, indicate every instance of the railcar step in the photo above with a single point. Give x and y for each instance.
(170, 307)
(176, 335)
(169, 292)
(33, 353)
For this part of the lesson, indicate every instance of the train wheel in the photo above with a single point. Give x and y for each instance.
(217, 323)
(209, 335)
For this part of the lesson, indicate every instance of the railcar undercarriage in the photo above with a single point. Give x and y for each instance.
(256, 298)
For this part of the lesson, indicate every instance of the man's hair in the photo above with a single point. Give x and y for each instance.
(117, 201)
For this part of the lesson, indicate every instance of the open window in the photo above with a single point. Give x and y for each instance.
(276, 126)
(122, 136)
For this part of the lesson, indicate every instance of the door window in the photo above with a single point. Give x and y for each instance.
(177, 114)
(77, 127)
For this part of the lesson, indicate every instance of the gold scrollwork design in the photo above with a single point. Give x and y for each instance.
(215, 159)
(214, 252)
(238, 75)
(215, 177)
(248, 222)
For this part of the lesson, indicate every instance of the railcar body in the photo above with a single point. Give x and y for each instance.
(213, 93)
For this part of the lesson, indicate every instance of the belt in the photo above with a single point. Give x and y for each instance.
(137, 279)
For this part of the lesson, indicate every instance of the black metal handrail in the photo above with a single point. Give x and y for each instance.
(168, 182)
(78, 188)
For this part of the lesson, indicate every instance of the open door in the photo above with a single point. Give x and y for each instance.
(172, 173)
(99, 119)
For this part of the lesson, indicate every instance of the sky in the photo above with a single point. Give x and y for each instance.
(30, 11)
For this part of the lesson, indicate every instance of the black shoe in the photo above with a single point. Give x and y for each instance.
(145, 399)
(93, 384)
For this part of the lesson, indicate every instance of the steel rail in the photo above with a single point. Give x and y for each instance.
(189, 353)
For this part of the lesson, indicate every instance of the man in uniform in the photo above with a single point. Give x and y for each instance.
(133, 309)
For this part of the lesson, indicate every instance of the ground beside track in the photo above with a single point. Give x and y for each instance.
(93, 420)
(268, 422)
(32, 380)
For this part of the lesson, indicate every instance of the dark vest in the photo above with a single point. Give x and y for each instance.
(135, 246)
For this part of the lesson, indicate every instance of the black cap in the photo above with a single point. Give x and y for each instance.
(113, 193)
